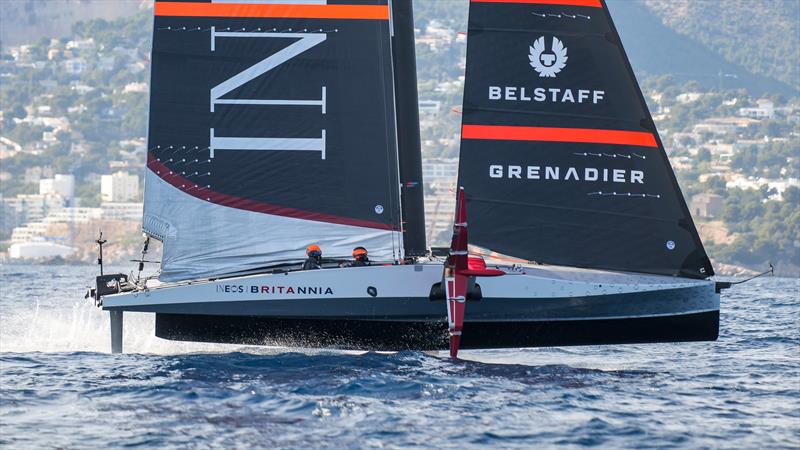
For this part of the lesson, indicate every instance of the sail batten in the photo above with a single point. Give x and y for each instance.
(559, 157)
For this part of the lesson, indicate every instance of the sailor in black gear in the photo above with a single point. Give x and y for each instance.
(314, 260)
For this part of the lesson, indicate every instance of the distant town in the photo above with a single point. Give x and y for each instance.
(73, 147)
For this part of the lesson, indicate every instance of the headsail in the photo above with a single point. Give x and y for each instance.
(560, 158)
(271, 127)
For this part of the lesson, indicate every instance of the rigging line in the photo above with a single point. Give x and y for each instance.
(395, 203)
(771, 271)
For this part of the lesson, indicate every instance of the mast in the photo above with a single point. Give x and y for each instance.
(408, 135)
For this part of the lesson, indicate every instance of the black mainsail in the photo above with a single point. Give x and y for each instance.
(560, 158)
(272, 126)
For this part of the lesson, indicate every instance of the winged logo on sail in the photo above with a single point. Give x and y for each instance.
(550, 63)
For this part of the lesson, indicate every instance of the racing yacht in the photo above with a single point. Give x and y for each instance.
(278, 124)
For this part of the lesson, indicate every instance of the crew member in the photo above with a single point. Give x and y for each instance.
(314, 260)
(360, 257)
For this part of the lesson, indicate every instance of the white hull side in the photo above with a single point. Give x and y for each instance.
(402, 293)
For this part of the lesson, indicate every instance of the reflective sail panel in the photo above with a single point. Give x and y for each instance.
(271, 127)
(560, 159)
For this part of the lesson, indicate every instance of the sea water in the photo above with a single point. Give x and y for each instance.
(59, 386)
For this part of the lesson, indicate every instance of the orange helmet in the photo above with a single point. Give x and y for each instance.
(359, 252)
(313, 248)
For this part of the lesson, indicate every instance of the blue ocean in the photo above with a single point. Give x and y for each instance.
(60, 388)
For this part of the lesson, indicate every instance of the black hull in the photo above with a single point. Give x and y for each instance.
(396, 335)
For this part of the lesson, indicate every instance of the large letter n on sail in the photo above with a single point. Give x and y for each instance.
(304, 42)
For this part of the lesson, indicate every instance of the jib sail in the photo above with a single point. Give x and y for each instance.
(271, 127)
(560, 158)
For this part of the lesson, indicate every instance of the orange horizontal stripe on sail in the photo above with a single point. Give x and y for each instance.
(589, 3)
(584, 135)
(184, 9)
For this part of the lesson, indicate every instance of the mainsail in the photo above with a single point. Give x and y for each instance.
(272, 126)
(560, 158)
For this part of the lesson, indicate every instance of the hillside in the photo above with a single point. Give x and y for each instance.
(658, 43)
(761, 35)
(747, 44)
(26, 21)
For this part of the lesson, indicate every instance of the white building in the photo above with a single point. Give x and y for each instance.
(78, 148)
(764, 110)
(721, 126)
(122, 211)
(74, 66)
(74, 215)
(39, 230)
(689, 97)
(779, 186)
(36, 250)
(82, 44)
(33, 231)
(434, 170)
(30, 207)
(135, 87)
(119, 187)
(429, 107)
(61, 185)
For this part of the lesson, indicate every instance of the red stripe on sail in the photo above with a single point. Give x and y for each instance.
(589, 3)
(189, 187)
(583, 135)
(191, 9)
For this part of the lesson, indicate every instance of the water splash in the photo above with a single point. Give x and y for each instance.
(54, 317)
